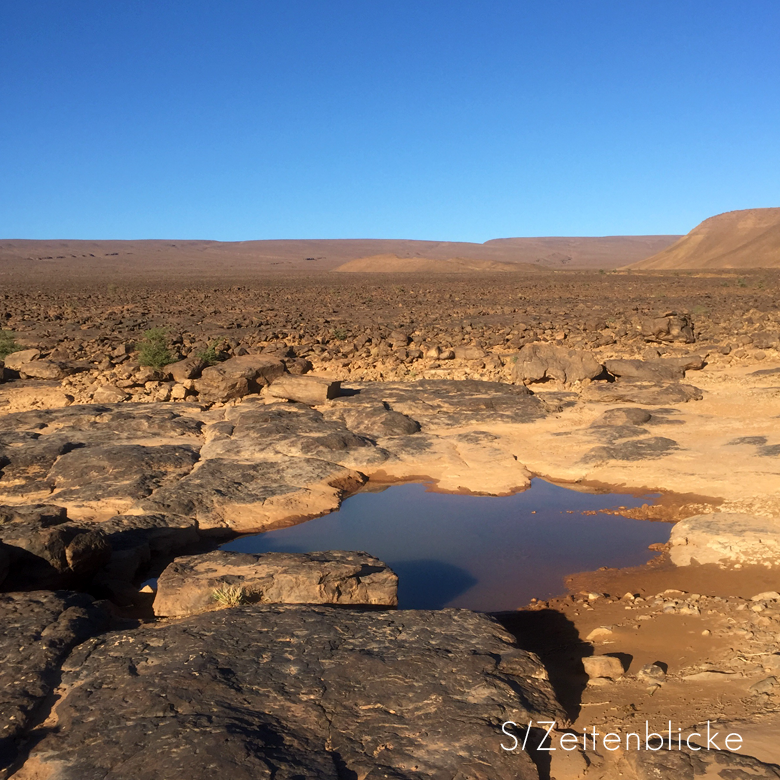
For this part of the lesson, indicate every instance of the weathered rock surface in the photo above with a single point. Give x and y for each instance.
(189, 368)
(647, 393)
(46, 369)
(289, 692)
(668, 328)
(230, 495)
(39, 630)
(726, 538)
(192, 584)
(633, 449)
(16, 360)
(311, 390)
(542, 362)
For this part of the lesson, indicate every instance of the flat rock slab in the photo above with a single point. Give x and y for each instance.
(293, 692)
(442, 403)
(647, 393)
(40, 628)
(201, 583)
(726, 538)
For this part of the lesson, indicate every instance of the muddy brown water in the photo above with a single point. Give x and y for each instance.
(485, 553)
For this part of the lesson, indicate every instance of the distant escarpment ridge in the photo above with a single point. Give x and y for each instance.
(453, 265)
(736, 239)
(174, 258)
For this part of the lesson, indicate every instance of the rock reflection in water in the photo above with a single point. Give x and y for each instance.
(479, 552)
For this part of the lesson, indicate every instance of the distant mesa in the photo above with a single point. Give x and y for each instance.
(390, 263)
(736, 239)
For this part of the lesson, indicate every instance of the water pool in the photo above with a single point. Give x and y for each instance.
(485, 553)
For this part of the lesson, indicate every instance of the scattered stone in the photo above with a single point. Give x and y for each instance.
(109, 394)
(16, 360)
(601, 632)
(652, 673)
(767, 685)
(605, 666)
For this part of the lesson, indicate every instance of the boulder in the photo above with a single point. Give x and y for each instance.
(661, 370)
(296, 692)
(602, 666)
(40, 628)
(199, 583)
(310, 390)
(237, 377)
(644, 370)
(189, 368)
(470, 353)
(542, 362)
(46, 369)
(669, 328)
(16, 360)
(725, 538)
(109, 394)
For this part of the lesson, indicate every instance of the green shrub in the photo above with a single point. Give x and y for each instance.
(7, 344)
(339, 334)
(153, 350)
(210, 356)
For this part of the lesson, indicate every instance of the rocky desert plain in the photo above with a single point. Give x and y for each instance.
(158, 399)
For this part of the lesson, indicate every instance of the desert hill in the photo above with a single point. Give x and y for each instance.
(736, 239)
(580, 252)
(179, 259)
(390, 263)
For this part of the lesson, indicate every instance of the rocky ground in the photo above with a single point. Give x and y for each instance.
(283, 397)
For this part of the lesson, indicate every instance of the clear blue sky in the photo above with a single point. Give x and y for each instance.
(246, 119)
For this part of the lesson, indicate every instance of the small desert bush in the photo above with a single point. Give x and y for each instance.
(7, 344)
(339, 334)
(210, 356)
(229, 595)
(153, 350)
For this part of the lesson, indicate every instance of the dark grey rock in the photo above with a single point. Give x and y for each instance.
(39, 630)
(635, 449)
(626, 416)
(46, 551)
(648, 394)
(297, 692)
(130, 471)
(441, 404)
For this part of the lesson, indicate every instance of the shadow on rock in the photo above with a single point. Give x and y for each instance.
(553, 637)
